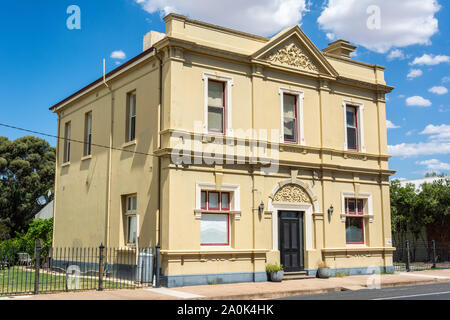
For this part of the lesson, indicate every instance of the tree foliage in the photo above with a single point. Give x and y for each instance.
(27, 169)
(25, 241)
(428, 206)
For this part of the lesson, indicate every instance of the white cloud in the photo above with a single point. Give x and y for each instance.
(391, 125)
(438, 133)
(418, 149)
(331, 36)
(438, 90)
(119, 54)
(414, 73)
(430, 60)
(396, 54)
(435, 164)
(438, 143)
(401, 23)
(264, 17)
(418, 101)
(445, 79)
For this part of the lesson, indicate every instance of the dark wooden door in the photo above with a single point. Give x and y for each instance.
(291, 240)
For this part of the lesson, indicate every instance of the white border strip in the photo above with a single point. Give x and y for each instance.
(173, 293)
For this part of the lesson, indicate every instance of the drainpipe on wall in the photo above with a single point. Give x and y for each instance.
(158, 222)
(56, 181)
(108, 204)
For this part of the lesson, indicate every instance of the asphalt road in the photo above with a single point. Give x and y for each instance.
(439, 291)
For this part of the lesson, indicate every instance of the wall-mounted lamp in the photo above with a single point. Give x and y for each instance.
(330, 210)
(261, 207)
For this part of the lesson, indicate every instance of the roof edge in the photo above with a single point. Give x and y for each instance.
(108, 75)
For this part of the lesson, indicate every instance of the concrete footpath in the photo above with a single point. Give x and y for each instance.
(256, 291)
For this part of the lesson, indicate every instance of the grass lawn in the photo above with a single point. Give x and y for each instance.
(20, 280)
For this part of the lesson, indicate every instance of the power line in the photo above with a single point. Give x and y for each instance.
(73, 140)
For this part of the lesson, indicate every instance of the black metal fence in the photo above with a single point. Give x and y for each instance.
(421, 255)
(74, 269)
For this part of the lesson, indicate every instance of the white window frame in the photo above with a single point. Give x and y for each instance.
(130, 116)
(368, 204)
(131, 213)
(235, 208)
(228, 102)
(360, 117)
(300, 123)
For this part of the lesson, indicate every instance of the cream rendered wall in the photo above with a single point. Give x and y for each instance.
(82, 205)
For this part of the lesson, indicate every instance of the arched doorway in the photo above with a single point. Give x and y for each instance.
(292, 204)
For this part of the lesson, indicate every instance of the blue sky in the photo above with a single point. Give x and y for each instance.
(42, 61)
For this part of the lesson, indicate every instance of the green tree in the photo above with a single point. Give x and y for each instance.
(27, 169)
(434, 205)
(403, 206)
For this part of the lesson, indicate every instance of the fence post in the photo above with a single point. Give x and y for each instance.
(37, 267)
(157, 257)
(434, 254)
(100, 268)
(408, 257)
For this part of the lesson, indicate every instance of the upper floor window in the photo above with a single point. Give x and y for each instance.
(292, 130)
(354, 222)
(131, 117)
(290, 118)
(88, 134)
(67, 143)
(216, 106)
(354, 126)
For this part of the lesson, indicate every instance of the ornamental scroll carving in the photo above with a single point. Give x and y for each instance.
(292, 55)
(292, 193)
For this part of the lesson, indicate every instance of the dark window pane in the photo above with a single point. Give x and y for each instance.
(215, 119)
(351, 117)
(351, 206)
(351, 138)
(290, 130)
(354, 230)
(133, 129)
(360, 206)
(225, 201)
(215, 94)
(203, 201)
(289, 103)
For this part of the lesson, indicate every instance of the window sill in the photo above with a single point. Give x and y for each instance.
(129, 144)
(344, 216)
(65, 164)
(89, 157)
(198, 213)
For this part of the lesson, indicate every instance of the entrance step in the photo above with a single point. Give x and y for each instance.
(297, 275)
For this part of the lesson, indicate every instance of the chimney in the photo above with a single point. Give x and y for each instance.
(340, 48)
(151, 38)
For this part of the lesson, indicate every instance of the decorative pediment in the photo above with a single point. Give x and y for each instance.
(293, 56)
(292, 193)
(292, 49)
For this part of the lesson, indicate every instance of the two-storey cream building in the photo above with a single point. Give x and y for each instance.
(231, 151)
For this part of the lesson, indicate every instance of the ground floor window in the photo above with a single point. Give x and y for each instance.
(354, 222)
(131, 219)
(215, 230)
(215, 227)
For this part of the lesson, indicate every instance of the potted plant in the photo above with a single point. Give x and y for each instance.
(276, 272)
(324, 271)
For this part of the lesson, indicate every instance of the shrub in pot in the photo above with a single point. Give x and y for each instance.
(275, 272)
(324, 271)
